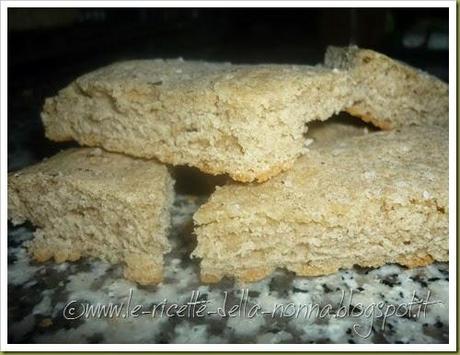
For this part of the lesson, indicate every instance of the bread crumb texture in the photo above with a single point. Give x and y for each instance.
(365, 200)
(389, 93)
(88, 202)
(244, 120)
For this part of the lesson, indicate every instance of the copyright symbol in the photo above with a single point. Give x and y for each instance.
(73, 310)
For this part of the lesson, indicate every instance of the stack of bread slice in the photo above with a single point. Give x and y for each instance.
(88, 202)
(365, 199)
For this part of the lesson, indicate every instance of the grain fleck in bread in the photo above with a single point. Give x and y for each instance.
(87, 202)
(244, 120)
(368, 200)
(389, 93)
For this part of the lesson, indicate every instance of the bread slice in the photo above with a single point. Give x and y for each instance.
(368, 200)
(87, 202)
(244, 120)
(389, 93)
(336, 129)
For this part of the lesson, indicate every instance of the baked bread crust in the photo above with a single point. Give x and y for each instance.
(368, 200)
(389, 93)
(87, 202)
(247, 121)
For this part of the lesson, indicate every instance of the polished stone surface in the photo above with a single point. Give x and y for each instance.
(49, 303)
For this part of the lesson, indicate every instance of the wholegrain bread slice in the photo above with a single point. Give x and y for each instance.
(87, 202)
(369, 199)
(389, 93)
(247, 121)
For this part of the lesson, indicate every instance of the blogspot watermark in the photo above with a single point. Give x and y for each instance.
(199, 307)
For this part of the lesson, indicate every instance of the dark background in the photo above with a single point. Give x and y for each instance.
(47, 48)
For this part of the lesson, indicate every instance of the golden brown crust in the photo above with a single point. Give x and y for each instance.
(44, 254)
(247, 177)
(366, 116)
(210, 278)
(143, 277)
(242, 275)
(143, 269)
(275, 170)
(415, 260)
(308, 270)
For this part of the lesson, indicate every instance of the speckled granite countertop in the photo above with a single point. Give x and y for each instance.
(62, 303)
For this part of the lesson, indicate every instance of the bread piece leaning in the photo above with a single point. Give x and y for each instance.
(247, 121)
(87, 202)
(365, 200)
(389, 93)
